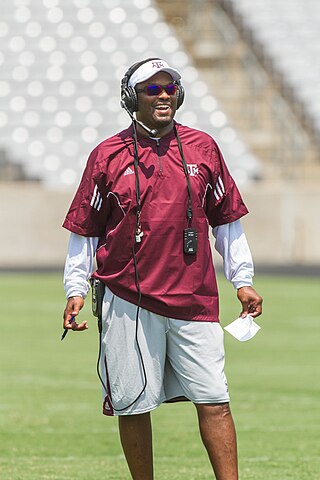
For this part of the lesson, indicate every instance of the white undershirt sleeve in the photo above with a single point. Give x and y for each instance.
(232, 245)
(79, 265)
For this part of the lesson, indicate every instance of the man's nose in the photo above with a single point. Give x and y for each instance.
(163, 94)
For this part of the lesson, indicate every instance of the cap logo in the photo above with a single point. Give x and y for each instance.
(148, 69)
(157, 64)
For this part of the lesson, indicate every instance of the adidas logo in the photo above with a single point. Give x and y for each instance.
(129, 171)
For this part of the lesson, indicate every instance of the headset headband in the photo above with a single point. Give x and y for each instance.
(129, 96)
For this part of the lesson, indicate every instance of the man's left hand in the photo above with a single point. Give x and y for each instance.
(251, 302)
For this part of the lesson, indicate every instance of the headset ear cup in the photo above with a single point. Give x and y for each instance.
(134, 98)
(180, 98)
(130, 99)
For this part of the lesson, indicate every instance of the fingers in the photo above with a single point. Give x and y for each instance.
(73, 307)
(251, 302)
(68, 319)
(253, 309)
(78, 327)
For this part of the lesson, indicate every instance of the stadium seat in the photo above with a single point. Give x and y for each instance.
(62, 62)
(287, 32)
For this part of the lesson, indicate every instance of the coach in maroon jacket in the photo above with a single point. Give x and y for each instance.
(143, 208)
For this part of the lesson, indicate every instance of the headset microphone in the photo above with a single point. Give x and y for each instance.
(152, 132)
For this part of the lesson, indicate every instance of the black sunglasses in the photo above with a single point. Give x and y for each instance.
(155, 90)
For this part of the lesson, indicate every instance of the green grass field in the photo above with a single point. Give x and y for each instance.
(51, 426)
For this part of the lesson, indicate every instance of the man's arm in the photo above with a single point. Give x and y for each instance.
(78, 269)
(232, 245)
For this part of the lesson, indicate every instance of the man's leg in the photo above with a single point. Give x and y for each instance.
(219, 437)
(136, 440)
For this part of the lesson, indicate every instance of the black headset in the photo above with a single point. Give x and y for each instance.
(129, 97)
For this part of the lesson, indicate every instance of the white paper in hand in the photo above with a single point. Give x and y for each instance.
(243, 328)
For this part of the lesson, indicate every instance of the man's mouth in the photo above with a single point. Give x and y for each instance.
(162, 107)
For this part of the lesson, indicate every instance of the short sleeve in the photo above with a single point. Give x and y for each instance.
(223, 200)
(88, 214)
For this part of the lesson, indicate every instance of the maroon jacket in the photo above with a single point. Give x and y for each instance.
(173, 284)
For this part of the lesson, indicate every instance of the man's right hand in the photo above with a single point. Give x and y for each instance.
(74, 305)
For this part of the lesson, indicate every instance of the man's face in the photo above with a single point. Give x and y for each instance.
(157, 111)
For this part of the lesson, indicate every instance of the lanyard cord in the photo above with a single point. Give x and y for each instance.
(136, 171)
(137, 231)
(185, 169)
(138, 228)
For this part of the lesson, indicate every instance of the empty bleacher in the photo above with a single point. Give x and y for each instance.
(269, 117)
(287, 35)
(61, 66)
(61, 62)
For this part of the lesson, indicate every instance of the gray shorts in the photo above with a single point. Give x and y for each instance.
(164, 359)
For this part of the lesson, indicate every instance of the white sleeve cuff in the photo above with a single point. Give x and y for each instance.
(232, 245)
(79, 265)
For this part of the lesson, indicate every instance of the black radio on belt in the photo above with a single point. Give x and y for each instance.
(190, 241)
(97, 288)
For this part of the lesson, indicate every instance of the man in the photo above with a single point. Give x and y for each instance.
(142, 209)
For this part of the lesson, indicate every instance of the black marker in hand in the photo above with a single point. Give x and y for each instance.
(66, 330)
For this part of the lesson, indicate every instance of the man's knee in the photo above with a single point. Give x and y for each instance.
(216, 410)
(134, 420)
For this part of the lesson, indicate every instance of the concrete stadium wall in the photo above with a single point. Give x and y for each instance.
(31, 232)
(283, 227)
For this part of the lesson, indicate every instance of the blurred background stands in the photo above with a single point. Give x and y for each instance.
(241, 48)
(251, 75)
(61, 66)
